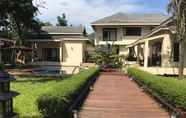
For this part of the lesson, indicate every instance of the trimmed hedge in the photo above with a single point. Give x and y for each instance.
(171, 90)
(56, 102)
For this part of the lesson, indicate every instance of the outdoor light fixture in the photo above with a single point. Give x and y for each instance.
(6, 97)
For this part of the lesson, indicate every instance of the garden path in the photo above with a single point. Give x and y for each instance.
(116, 96)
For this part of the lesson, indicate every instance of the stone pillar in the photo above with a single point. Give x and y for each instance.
(146, 53)
(166, 51)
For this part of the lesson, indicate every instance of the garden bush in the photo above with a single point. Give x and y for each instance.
(170, 89)
(56, 102)
(108, 57)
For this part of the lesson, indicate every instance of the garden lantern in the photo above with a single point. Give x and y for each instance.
(6, 97)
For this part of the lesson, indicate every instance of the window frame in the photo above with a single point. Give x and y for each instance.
(126, 33)
(47, 54)
(109, 30)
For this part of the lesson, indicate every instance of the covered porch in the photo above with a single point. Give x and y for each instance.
(157, 54)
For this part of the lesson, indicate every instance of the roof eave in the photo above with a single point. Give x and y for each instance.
(57, 40)
(136, 24)
(149, 35)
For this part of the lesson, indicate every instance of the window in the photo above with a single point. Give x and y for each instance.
(109, 34)
(176, 52)
(133, 31)
(50, 54)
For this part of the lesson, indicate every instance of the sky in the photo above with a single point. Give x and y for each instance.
(83, 12)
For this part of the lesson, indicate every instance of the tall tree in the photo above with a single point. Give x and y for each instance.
(178, 10)
(19, 15)
(42, 23)
(62, 21)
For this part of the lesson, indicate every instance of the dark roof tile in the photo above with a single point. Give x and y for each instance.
(133, 18)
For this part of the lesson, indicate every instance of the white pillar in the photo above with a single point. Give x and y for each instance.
(146, 53)
(61, 52)
(138, 54)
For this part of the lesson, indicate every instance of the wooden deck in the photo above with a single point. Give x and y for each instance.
(115, 96)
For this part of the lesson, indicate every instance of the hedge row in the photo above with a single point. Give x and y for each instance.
(171, 90)
(56, 102)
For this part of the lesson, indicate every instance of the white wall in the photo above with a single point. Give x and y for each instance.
(73, 52)
(72, 55)
(121, 39)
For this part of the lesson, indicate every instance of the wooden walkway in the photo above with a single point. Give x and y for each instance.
(115, 96)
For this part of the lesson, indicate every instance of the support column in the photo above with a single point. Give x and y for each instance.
(61, 52)
(138, 54)
(146, 53)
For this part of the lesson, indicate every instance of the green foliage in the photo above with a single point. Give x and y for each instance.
(170, 89)
(112, 59)
(178, 9)
(30, 88)
(33, 88)
(19, 15)
(62, 20)
(42, 23)
(56, 102)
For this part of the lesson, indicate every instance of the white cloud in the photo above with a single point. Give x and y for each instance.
(84, 11)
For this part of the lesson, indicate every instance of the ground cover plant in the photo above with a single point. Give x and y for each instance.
(30, 88)
(170, 89)
(38, 90)
(57, 101)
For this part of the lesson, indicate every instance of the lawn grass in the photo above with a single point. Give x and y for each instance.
(30, 88)
(51, 96)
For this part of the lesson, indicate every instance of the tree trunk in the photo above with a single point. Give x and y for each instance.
(181, 58)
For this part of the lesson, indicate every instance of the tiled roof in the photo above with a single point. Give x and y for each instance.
(63, 30)
(57, 33)
(133, 18)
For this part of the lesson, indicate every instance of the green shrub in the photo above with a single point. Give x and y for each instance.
(108, 58)
(171, 90)
(56, 102)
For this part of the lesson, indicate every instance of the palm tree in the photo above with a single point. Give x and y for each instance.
(178, 9)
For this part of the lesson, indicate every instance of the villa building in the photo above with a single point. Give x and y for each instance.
(148, 40)
(52, 47)
(60, 48)
(158, 51)
(123, 29)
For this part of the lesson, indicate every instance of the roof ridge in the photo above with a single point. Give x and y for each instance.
(133, 17)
